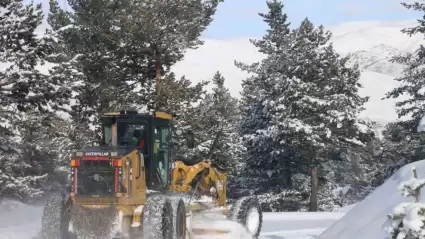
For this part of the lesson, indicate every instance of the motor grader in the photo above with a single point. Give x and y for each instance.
(132, 187)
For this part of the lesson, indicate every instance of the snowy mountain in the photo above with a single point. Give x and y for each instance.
(378, 59)
(371, 44)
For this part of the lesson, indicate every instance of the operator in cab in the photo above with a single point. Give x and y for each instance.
(139, 138)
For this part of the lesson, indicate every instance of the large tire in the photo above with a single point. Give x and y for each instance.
(247, 211)
(158, 218)
(55, 219)
(179, 213)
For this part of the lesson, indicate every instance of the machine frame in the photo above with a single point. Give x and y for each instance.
(136, 197)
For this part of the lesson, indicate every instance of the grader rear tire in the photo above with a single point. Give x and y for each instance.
(180, 220)
(247, 211)
(55, 219)
(158, 218)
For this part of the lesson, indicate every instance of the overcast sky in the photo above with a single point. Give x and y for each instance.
(239, 18)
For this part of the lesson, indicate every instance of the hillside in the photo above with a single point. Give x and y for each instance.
(371, 44)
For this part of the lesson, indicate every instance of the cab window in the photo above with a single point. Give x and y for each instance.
(107, 132)
(130, 134)
(161, 152)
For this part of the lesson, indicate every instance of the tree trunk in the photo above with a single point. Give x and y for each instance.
(288, 175)
(314, 188)
(157, 77)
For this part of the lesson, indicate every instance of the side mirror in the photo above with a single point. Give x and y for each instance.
(190, 140)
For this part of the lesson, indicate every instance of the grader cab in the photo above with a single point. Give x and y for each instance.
(131, 187)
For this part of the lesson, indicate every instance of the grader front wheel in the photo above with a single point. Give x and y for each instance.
(55, 219)
(247, 211)
(163, 219)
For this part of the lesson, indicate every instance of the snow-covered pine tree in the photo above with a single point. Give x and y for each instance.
(410, 93)
(168, 29)
(25, 92)
(413, 80)
(205, 115)
(112, 48)
(107, 68)
(408, 218)
(267, 164)
(399, 146)
(181, 98)
(216, 117)
(317, 111)
(23, 86)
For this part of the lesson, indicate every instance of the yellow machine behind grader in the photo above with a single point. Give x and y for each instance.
(131, 187)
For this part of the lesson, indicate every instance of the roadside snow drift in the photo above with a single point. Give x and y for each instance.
(368, 218)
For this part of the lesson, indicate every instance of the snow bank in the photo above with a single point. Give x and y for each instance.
(367, 219)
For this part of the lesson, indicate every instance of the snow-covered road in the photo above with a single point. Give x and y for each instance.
(23, 222)
(297, 225)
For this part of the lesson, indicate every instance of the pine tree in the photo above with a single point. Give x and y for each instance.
(217, 113)
(411, 92)
(206, 116)
(317, 112)
(398, 147)
(181, 98)
(413, 79)
(23, 86)
(307, 99)
(266, 161)
(25, 93)
(118, 50)
(168, 29)
(408, 218)
(106, 69)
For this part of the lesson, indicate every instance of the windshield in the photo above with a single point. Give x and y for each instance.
(131, 134)
(95, 177)
(107, 132)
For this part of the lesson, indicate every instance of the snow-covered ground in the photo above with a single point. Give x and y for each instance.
(364, 220)
(19, 221)
(297, 225)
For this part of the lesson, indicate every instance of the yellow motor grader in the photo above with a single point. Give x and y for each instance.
(131, 187)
